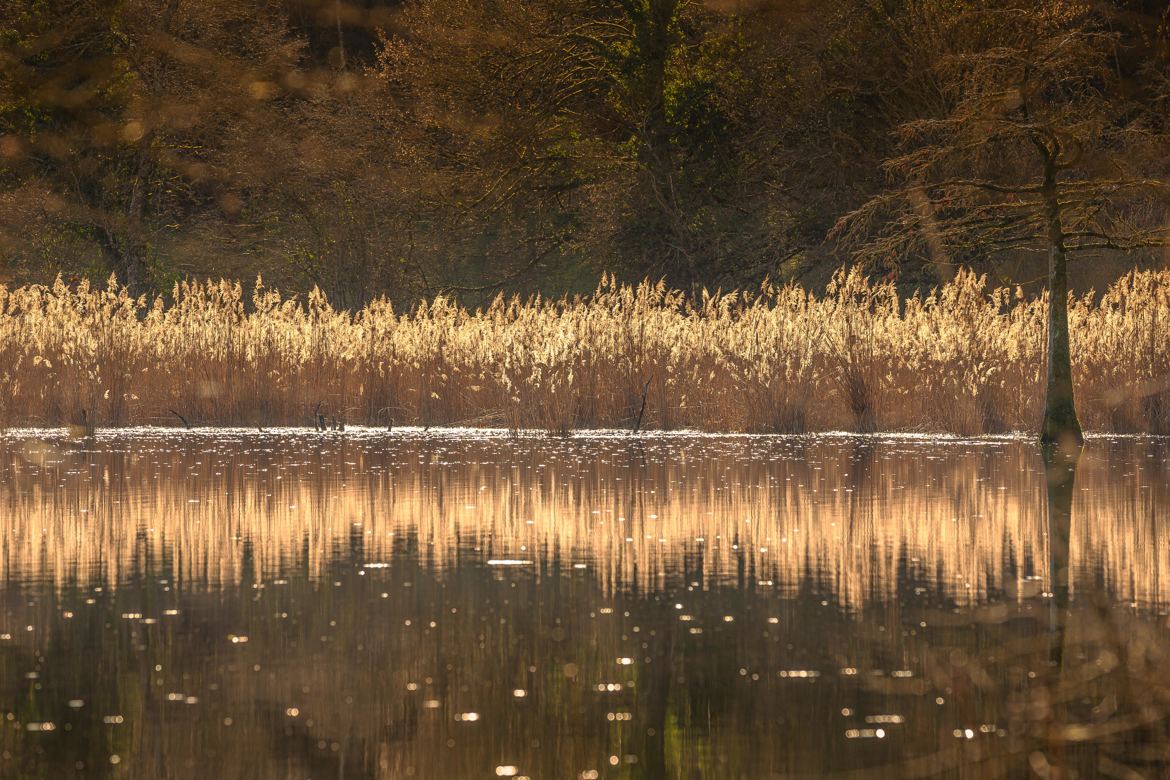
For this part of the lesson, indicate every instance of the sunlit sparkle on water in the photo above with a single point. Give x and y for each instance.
(417, 605)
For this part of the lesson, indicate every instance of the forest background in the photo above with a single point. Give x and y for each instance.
(469, 147)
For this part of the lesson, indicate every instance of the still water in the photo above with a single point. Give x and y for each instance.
(449, 605)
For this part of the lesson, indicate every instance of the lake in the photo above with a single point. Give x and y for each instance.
(449, 604)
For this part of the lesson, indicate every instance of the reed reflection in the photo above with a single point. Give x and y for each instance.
(856, 517)
(371, 606)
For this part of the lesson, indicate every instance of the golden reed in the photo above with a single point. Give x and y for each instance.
(965, 359)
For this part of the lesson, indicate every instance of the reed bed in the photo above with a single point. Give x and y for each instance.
(965, 359)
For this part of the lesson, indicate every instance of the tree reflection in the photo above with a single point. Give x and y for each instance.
(1100, 719)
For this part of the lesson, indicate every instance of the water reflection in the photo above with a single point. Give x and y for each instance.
(1101, 717)
(368, 606)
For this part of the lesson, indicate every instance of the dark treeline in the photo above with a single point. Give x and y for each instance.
(408, 148)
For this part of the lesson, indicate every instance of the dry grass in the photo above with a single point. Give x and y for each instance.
(966, 359)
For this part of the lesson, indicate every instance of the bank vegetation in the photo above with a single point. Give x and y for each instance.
(966, 358)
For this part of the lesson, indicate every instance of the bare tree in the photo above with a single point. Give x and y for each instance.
(1045, 146)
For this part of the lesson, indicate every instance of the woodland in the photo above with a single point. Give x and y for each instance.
(413, 148)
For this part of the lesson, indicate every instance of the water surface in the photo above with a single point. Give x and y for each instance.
(371, 605)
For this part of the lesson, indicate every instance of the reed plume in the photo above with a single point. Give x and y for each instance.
(964, 358)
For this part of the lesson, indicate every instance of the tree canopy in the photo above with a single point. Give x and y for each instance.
(408, 147)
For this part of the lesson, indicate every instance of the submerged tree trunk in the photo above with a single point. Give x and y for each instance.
(1061, 425)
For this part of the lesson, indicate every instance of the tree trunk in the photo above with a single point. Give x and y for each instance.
(656, 44)
(1061, 425)
(126, 259)
(1060, 414)
(135, 274)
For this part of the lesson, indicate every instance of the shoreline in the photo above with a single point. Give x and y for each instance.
(437, 432)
